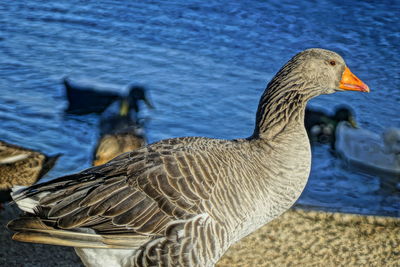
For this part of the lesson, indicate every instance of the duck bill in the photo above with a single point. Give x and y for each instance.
(350, 82)
(124, 108)
(148, 103)
(353, 122)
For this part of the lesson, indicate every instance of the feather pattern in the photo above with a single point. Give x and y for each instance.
(22, 166)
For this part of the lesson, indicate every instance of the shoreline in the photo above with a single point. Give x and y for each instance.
(297, 238)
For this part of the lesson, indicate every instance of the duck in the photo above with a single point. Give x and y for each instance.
(321, 126)
(85, 99)
(119, 133)
(21, 166)
(368, 151)
(184, 201)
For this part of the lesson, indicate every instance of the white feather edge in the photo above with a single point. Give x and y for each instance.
(13, 159)
(25, 204)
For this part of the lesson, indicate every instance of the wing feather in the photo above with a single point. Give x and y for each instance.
(79, 217)
(130, 215)
(67, 205)
(124, 205)
(137, 194)
(100, 207)
(102, 190)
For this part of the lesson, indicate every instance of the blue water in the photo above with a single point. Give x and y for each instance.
(206, 64)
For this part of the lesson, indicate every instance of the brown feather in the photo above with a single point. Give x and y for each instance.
(101, 191)
(60, 240)
(130, 215)
(67, 205)
(153, 223)
(144, 216)
(74, 219)
(110, 201)
(124, 204)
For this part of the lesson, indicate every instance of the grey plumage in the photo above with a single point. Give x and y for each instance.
(184, 201)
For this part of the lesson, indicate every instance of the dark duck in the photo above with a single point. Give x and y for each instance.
(86, 98)
(321, 126)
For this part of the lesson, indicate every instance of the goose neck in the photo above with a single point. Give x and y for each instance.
(282, 108)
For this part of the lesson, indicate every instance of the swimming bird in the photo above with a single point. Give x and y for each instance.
(119, 133)
(368, 151)
(21, 166)
(85, 99)
(321, 126)
(184, 201)
(136, 94)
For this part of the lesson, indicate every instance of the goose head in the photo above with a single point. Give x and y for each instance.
(308, 74)
(322, 72)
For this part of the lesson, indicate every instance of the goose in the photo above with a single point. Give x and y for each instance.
(185, 201)
(119, 133)
(85, 99)
(21, 166)
(321, 127)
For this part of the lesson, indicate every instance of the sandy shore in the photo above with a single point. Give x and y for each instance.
(298, 238)
(311, 238)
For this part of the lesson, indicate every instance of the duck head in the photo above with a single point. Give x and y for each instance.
(345, 113)
(130, 101)
(137, 93)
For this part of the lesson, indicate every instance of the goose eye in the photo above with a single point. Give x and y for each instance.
(332, 62)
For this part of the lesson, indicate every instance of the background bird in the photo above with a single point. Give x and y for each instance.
(21, 166)
(86, 98)
(370, 152)
(321, 126)
(120, 131)
(184, 201)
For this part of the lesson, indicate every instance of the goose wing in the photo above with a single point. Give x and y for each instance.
(134, 197)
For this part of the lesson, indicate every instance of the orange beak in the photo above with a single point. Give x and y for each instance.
(350, 81)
